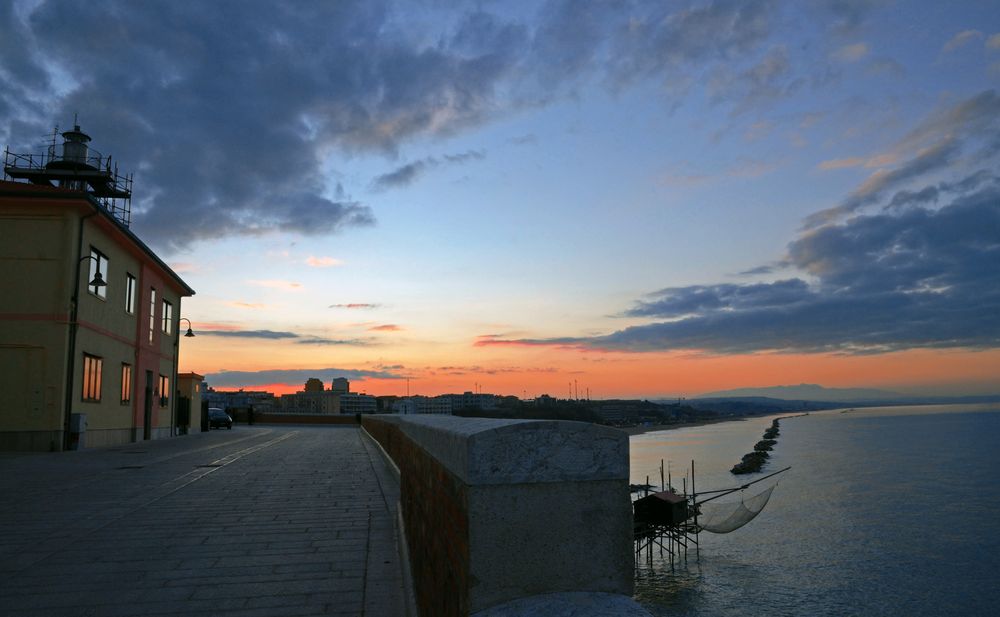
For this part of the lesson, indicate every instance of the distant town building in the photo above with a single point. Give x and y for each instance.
(384, 403)
(258, 400)
(472, 401)
(445, 403)
(356, 403)
(337, 400)
(423, 405)
(89, 315)
(545, 401)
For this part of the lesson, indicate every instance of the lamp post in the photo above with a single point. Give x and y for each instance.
(177, 355)
(98, 281)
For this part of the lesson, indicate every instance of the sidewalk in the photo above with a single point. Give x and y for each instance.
(269, 521)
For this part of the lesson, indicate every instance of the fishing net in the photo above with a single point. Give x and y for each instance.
(726, 517)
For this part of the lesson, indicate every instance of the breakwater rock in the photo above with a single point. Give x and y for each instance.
(765, 445)
(753, 461)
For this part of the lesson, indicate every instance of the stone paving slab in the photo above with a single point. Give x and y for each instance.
(271, 521)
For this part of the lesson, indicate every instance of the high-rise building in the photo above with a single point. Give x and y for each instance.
(340, 385)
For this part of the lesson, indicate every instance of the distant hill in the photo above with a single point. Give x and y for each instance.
(756, 405)
(809, 392)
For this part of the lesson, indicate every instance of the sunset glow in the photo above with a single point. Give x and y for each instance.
(639, 199)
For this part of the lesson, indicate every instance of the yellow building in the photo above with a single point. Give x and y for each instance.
(89, 315)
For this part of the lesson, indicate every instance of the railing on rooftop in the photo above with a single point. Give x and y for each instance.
(91, 173)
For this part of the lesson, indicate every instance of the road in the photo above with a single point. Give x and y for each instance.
(269, 521)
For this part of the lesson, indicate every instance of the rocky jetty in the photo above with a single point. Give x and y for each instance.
(753, 461)
(765, 445)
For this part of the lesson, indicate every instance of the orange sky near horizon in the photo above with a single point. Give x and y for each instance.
(530, 372)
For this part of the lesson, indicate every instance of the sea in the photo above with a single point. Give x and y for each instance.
(885, 511)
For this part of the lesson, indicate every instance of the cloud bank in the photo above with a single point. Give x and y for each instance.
(409, 173)
(230, 120)
(920, 268)
(259, 334)
(243, 379)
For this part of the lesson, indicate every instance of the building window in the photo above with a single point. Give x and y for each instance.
(98, 265)
(126, 383)
(168, 316)
(129, 294)
(164, 390)
(152, 314)
(92, 366)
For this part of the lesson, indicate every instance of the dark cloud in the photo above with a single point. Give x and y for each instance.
(935, 158)
(409, 173)
(334, 342)
(465, 157)
(930, 194)
(402, 176)
(950, 139)
(263, 334)
(927, 195)
(765, 269)
(494, 370)
(242, 379)
(226, 117)
(230, 119)
(684, 301)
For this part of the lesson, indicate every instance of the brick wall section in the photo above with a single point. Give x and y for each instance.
(435, 510)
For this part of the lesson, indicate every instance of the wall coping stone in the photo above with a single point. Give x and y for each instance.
(498, 451)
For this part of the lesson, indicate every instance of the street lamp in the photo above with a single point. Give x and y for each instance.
(177, 341)
(98, 280)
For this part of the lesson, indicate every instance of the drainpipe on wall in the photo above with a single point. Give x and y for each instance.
(71, 355)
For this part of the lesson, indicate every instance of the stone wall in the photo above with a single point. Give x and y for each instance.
(497, 510)
(434, 505)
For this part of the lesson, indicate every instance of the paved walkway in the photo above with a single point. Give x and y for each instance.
(268, 521)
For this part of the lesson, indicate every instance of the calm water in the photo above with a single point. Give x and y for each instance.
(886, 511)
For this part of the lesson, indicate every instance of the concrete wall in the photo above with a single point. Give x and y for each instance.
(497, 510)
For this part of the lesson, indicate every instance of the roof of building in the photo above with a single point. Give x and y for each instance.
(34, 191)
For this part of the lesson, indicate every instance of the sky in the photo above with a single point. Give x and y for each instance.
(626, 199)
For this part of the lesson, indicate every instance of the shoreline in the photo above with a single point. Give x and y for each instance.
(639, 430)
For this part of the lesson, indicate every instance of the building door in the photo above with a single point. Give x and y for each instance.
(147, 417)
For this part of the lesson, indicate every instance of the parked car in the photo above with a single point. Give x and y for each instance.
(218, 418)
